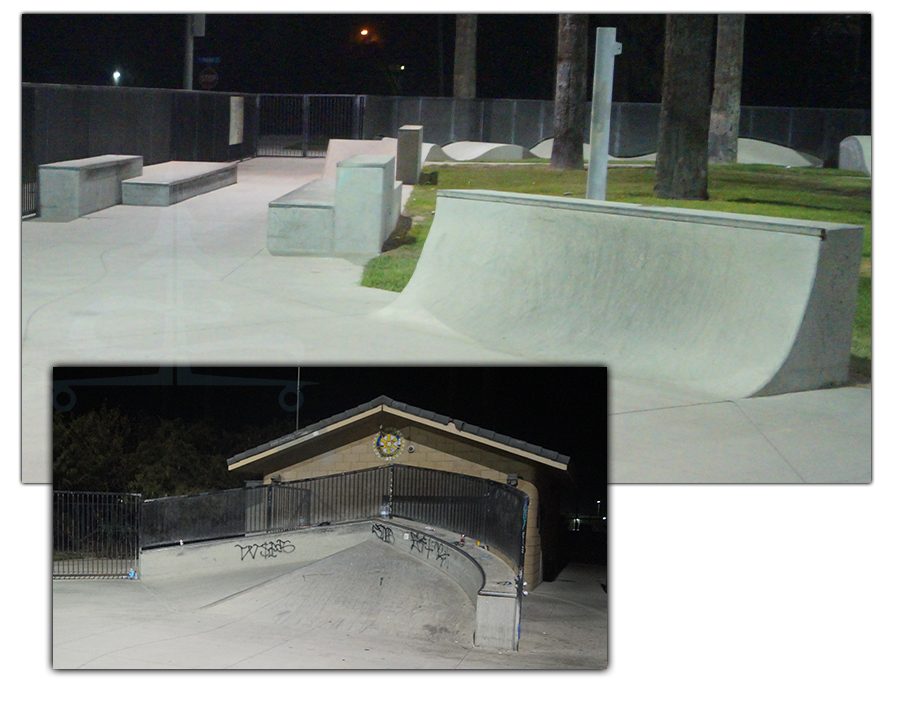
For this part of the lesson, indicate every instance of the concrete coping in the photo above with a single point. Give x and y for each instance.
(93, 162)
(728, 220)
(360, 161)
(173, 173)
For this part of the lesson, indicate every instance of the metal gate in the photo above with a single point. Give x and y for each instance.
(96, 534)
(301, 125)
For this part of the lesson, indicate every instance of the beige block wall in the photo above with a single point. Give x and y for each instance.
(438, 452)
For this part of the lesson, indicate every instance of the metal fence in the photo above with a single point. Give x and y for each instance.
(221, 514)
(96, 534)
(101, 534)
(301, 125)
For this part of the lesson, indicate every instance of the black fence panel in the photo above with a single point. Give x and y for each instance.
(96, 534)
(223, 514)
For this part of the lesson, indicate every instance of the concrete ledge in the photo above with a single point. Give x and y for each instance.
(302, 222)
(173, 182)
(727, 305)
(70, 189)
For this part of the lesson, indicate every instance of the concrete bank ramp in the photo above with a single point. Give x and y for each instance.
(485, 152)
(368, 587)
(727, 305)
(749, 152)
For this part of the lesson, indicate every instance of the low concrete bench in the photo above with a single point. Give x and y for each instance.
(172, 182)
(485, 577)
(348, 216)
(724, 304)
(70, 189)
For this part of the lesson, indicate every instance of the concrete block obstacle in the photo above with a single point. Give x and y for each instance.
(339, 150)
(348, 216)
(172, 182)
(727, 305)
(485, 577)
(855, 154)
(409, 154)
(70, 189)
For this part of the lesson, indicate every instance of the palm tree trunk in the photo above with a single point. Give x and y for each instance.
(464, 57)
(569, 110)
(725, 117)
(683, 152)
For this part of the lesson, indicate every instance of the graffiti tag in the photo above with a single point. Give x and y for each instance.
(269, 549)
(385, 533)
(432, 548)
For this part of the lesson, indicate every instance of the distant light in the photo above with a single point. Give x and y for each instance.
(402, 68)
(364, 32)
(116, 77)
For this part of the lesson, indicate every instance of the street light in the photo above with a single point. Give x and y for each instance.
(116, 77)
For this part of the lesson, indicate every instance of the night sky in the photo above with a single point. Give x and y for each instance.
(789, 60)
(563, 409)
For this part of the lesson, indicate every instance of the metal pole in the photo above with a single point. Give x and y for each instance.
(604, 63)
(188, 52)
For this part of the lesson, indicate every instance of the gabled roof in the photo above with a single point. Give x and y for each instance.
(512, 444)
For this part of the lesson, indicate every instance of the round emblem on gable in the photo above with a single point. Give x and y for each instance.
(388, 443)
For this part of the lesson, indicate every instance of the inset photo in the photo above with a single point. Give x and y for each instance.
(330, 517)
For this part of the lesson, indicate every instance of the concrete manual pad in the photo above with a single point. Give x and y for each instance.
(172, 182)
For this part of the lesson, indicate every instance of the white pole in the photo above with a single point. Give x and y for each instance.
(604, 63)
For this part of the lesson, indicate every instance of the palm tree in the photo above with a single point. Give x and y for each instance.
(464, 57)
(683, 152)
(725, 117)
(569, 108)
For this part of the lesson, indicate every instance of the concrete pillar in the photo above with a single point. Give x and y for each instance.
(409, 154)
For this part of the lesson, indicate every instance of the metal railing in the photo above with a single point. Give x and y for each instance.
(221, 514)
(96, 534)
(102, 533)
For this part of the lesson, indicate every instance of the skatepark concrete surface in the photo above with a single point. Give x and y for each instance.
(193, 283)
(369, 606)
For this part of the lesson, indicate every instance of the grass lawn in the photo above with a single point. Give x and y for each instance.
(803, 193)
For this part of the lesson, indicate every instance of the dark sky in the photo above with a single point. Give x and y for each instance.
(559, 408)
(790, 60)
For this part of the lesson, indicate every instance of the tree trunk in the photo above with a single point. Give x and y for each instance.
(569, 110)
(464, 57)
(683, 152)
(725, 117)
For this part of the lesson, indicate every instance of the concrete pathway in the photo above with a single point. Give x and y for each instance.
(194, 284)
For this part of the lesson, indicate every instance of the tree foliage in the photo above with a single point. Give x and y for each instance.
(106, 450)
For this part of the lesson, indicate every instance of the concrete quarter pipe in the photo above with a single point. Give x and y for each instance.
(728, 305)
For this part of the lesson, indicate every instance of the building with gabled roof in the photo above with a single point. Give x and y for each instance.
(387, 431)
